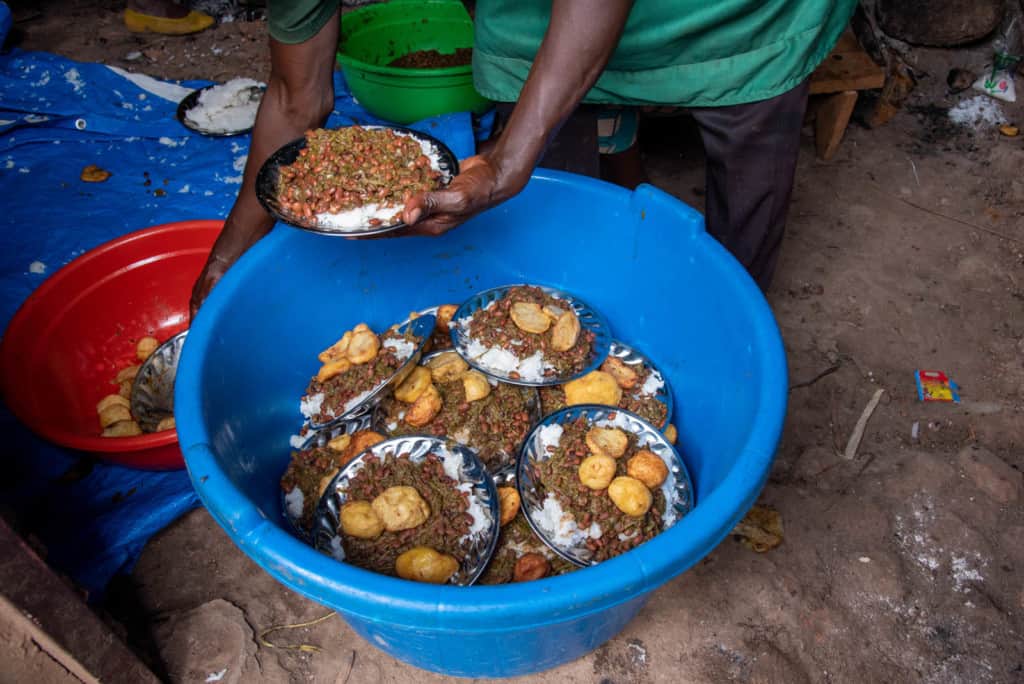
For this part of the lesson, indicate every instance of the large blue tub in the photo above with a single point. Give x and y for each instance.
(642, 258)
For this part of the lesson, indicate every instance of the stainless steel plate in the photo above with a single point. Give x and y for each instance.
(152, 397)
(328, 515)
(677, 488)
(589, 319)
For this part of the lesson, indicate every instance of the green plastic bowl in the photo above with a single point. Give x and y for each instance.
(375, 35)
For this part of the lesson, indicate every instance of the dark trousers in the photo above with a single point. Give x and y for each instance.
(751, 151)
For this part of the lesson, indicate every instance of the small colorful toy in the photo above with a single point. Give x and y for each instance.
(935, 386)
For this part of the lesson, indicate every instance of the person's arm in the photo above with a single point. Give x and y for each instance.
(580, 40)
(300, 96)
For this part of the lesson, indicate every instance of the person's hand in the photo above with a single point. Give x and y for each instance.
(480, 185)
(214, 269)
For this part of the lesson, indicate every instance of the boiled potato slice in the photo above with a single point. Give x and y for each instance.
(125, 389)
(414, 385)
(476, 385)
(124, 428)
(645, 466)
(361, 441)
(631, 496)
(127, 374)
(332, 368)
(337, 350)
(626, 376)
(425, 408)
(529, 317)
(364, 346)
(447, 367)
(146, 346)
(606, 441)
(596, 387)
(167, 423)
(597, 471)
(339, 443)
(444, 316)
(566, 332)
(671, 434)
(112, 400)
(358, 519)
(114, 414)
(424, 564)
(508, 504)
(553, 312)
(401, 508)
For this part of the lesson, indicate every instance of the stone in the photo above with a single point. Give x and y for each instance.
(991, 474)
(941, 23)
(211, 643)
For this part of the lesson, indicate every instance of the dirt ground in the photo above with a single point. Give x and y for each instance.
(902, 564)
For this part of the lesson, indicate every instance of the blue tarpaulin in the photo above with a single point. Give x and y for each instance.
(57, 116)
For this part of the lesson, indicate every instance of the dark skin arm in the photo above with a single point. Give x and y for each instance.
(300, 96)
(580, 40)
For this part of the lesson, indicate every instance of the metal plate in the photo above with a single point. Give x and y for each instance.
(504, 460)
(192, 99)
(631, 357)
(152, 397)
(677, 488)
(589, 319)
(267, 180)
(319, 439)
(422, 328)
(327, 518)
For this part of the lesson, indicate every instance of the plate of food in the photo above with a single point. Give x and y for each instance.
(315, 463)
(596, 482)
(530, 335)
(626, 379)
(520, 555)
(444, 397)
(419, 508)
(222, 109)
(360, 367)
(352, 181)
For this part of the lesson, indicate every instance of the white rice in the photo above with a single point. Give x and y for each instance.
(500, 360)
(310, 406)
(226, 108)
(358, 399)
(403, 348)
(481, 516)
(293, 501)
(452, 463)
(652, 384)
(297, 441)
(561, 527)
(549, 435)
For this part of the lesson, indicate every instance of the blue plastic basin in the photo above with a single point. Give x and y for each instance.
(642, 258)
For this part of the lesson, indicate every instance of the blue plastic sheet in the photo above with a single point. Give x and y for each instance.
(57, 116)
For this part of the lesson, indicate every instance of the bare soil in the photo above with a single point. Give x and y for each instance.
(902, 564)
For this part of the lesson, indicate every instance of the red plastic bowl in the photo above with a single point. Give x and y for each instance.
(73, 334)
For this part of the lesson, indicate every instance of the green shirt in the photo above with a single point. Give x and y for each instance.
(692, 53)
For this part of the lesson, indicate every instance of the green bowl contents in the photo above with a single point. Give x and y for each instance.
(374, 36)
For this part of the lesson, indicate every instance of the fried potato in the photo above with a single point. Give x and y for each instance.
(401, 508)
(606, 441)
(124, 428)
(508, 504)
(337, 350)
(112, 400)
(94, 174)
(358, 519)
(566, 332)
(529, 317)
(114, 414)
(340, 443)
(425, 408)
(623, 373)
(447, 367)
(127, 374)
(125, 390)
(631, 496)
(530, 567)
(648, 468)
(444, 316)
(476, 385)
(324, 482)
(671, 434)
(361, 327)
(424, 564)
(596, 472)
(596, 387)
(364, 346)
(146, 346)
(361, 441)
(332, 368)
(414, 385)
(553, 312)
(167, 423)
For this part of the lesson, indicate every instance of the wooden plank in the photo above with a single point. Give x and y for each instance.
(831, 121)
(848, 67)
